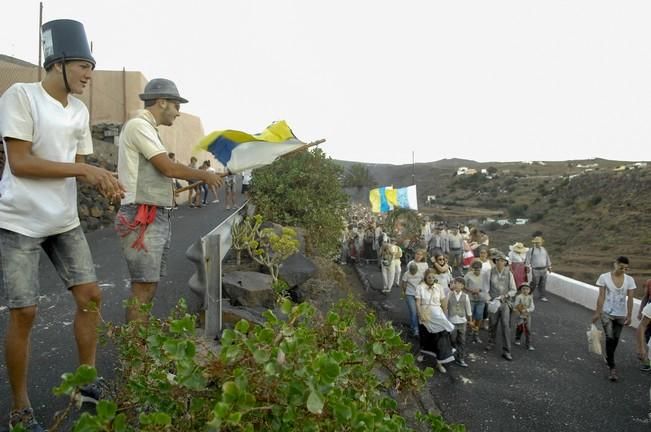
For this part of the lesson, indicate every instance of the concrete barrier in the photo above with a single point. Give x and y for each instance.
(581, 293)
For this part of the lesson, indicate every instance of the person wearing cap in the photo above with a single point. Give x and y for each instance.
(538, 265)
(501, 290)
(144, 219)
(477, 289)
(46, 135)
(524, 307)
(459, 313)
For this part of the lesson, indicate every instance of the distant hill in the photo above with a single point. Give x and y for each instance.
(588, 216)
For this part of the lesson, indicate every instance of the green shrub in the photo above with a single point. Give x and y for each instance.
(301, 372)
(303, 190)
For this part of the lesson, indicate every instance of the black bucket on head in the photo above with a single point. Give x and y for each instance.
(65, 40)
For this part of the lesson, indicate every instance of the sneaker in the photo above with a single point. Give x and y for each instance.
(441, 368)
(544, 299)
(613, 375)
(420, 358)
(489, 347)
(507, 356)
(93, 392)
(646, 367)
(215, 201)
(517, 342)
(530, 348)
(25, 418)
(461, 363)
(476, 339)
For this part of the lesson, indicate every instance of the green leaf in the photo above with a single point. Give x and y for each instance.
(378, 348)
(106, 409)
(242, 326)
(314, 403)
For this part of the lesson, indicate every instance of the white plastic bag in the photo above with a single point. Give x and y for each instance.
(594, 339)
(494, 305)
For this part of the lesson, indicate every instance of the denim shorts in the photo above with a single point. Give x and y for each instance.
(20, 255)
(148, 264)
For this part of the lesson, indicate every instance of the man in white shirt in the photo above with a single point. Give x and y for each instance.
(614, 307)
(46, 135)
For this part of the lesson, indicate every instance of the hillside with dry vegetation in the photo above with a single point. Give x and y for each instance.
(588, 215)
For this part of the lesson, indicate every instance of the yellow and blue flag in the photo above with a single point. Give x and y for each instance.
(385, 199)
(239, 151)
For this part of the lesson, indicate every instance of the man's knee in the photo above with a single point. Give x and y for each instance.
(23, 317)
(87, 294)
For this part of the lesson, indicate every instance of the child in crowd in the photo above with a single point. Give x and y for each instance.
(478, 293)
(524, 307)
(459, 313)
(410, 281)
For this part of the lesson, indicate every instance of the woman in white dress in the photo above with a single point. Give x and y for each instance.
(434, 327)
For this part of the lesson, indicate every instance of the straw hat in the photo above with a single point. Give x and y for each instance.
(518, 247)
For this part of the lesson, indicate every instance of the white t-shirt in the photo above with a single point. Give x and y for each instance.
(41, 207)
(615, 302)
(412, 281)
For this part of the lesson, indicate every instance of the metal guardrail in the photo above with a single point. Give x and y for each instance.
(207, 254)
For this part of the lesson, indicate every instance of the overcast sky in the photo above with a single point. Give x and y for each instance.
(482, 80)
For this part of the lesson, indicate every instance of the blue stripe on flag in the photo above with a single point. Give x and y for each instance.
(222, 149)
(384, 204)
(403, 198)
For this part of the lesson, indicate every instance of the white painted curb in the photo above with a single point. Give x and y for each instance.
(581, 293)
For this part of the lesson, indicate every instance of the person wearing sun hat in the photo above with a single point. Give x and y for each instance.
(517, 255)
(538, 265)
(501, 291)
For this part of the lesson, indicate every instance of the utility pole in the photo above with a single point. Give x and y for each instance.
(40, 40)
(413, 168)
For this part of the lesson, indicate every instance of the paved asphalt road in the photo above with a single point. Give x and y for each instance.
(558, 387)
(53, 346)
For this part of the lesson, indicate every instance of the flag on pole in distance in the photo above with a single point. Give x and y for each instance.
(379, 200)
(387, 198)
(239, 151)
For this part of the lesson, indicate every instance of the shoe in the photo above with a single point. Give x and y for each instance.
(476, 339)
(613, 375)
(517, 342)
(461, 363)
(507, 356)
(215, 201)
(489, 347)
(228, 207)
(544, 299)
(191, 205)
(25, 418)
(645, 367)
(92, 393)
(530, 348)
(441, 368)
(420, 358)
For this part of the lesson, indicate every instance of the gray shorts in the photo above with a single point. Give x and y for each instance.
(20, 255)
(149, 264)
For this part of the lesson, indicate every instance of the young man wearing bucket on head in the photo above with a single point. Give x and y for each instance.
(144, 219)
(46, 135)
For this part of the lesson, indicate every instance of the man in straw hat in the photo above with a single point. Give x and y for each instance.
(147, 172)
(46, 135)
(538, 265)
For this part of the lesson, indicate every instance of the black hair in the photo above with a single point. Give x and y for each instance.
(622, 260)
